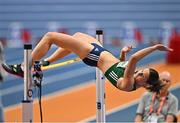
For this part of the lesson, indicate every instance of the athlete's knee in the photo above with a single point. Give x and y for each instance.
(77, 34)
(50, 37)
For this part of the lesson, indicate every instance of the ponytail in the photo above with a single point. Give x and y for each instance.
(155, 87)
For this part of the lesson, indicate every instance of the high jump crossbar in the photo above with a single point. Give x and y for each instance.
(60, 64)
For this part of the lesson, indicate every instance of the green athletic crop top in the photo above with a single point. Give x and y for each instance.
(115, 72)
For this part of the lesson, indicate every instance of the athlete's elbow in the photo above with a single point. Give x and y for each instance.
(134, 58)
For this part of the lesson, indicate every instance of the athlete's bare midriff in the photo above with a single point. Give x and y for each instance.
(106, 60)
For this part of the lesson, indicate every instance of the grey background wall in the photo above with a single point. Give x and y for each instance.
(109, 14)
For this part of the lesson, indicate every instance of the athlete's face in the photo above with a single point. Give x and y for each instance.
(141, 77)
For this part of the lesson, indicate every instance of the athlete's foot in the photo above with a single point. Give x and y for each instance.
(44, 63)
(14, 69)
(17, 70)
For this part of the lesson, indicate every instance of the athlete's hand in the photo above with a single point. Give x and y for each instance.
(126, 49)
(162, 47)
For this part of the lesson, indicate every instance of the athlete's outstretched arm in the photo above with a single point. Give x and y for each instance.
(128, 79)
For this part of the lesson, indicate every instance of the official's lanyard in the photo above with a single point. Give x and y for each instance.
(163, 100)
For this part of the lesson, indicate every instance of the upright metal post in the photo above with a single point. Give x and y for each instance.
(100, 88)
(27, 106)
